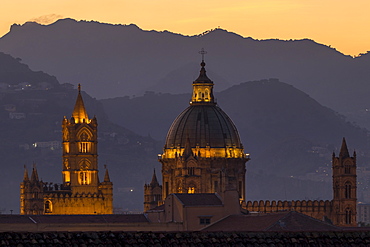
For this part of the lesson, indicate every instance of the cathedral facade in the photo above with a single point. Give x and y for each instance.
(80, 192)
(203, 154)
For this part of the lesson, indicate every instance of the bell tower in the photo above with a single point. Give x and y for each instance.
(344, 187)
(80, 155)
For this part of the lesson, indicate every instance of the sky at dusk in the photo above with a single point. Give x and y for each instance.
(341, 24)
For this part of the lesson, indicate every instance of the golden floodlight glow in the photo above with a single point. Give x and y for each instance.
(208, 152)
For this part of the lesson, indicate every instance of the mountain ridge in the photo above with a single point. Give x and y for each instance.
(113, 60)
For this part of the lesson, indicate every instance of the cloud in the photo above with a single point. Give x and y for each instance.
(47, 19)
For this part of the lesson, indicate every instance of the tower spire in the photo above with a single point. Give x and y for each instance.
(79, 112)
(106, 176)
(344, 150)
(25, 176)
(34, 176)
(154, 181)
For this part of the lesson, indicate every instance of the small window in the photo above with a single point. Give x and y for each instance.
(204, 221)
(348, 216)
(191, 190)
(84, 178)
(191, 171)
(347, 191)
(84, 147)
(48, 207)
(215, 186)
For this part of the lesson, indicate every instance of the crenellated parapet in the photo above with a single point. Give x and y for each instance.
(314, 208)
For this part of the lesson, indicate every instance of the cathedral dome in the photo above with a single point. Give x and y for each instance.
(203, 129)
(203, 125)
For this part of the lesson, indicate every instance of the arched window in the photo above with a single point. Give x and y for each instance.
(191, 171)
(191, 190)
(180, 186)
(84, 142)
(347, 168)
(348, 216)
(35, 194)
(347, 190)
(84, 175)
(48, 207)
(215, 186)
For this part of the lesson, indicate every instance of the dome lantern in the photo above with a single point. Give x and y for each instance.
(202, 86)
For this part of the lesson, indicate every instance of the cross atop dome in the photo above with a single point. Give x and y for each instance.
(202, 52)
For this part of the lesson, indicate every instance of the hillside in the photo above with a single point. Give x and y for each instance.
(287, 133)
(13, 72)
(118, 60)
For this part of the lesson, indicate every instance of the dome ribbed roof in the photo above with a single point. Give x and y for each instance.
(203, 125)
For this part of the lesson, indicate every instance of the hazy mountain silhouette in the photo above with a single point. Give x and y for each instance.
(13, 72)
(118, 60)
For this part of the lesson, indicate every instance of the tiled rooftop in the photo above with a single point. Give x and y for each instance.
(71, 219)
(283, 221)
(199, 199)
(185, 239)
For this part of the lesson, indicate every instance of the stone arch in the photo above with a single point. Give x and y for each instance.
(206, 93)
(84, 134)
(48, 207)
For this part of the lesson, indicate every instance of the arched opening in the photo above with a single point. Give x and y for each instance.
(48, 207)
(35, 194)
(191, 171)
(84, 137)
(348, 216)
(191, 190)
(347, 168)
(84, 176)
(347, 190)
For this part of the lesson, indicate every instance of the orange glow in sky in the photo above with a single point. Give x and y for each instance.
(341, 24)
